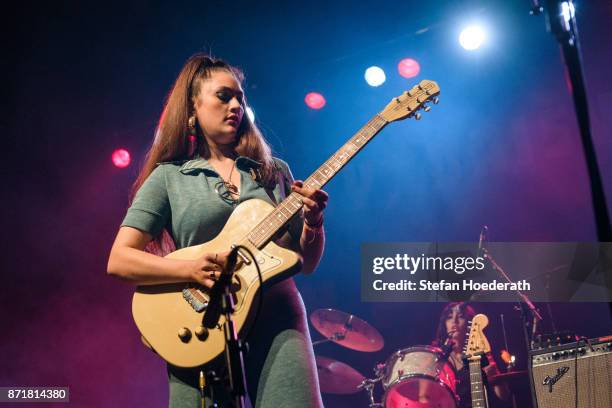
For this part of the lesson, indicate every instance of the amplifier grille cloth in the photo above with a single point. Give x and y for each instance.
(594, 382)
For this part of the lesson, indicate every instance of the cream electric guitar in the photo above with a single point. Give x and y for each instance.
(170, 316)
(476, 346)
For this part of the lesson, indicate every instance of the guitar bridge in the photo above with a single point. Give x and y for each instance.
(195, 299)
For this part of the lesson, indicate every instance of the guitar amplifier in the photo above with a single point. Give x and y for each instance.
(574, 375)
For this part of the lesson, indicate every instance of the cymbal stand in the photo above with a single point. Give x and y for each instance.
(348, 325)
(368, 386)
(335, 337)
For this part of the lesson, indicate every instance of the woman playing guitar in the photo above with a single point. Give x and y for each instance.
(205, 159)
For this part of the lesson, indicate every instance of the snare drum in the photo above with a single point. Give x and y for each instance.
(418, 377)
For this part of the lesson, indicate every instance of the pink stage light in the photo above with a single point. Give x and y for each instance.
(121, 158)
(408, 68)
(314, 100)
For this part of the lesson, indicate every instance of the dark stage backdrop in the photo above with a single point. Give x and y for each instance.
(81, 80)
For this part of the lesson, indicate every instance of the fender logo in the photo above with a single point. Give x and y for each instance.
(550, 381)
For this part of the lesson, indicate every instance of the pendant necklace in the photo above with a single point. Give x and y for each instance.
(231, 187)
(231, 190)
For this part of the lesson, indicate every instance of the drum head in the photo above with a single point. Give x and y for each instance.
(419, 393)
(411, 360)
(416, 377)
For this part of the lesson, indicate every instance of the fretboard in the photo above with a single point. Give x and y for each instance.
(266, 229)
(479, 399)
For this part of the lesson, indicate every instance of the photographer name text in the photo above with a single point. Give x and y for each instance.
(466, 285)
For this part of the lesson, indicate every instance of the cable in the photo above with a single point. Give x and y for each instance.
(261, 288)
(576, 372)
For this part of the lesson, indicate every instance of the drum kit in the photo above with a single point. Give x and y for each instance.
(414, 377)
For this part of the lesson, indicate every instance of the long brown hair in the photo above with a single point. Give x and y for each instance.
(172, 140)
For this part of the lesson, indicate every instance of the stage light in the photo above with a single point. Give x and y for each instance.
(314, 100)
(472, 37)
(408, 68)
(121, 158)
(375, 76)
(250, 114)
(568, 11)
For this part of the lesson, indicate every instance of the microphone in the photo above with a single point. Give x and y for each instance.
(448, 345)
(215, 303)
(482, 239)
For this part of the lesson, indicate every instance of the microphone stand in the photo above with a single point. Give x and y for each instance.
(525, 301)
(234, 347)
(562, 24)
(525, 306)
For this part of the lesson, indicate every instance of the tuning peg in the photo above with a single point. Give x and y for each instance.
(397, 100)
(427, 108)
(436, 100)
(417, 116)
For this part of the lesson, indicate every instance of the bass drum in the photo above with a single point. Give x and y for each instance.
(418, 377)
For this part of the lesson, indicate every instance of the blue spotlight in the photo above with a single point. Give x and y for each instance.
(375, 76)
(472, 37)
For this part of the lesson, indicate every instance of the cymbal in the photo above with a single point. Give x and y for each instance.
(347, 330)
(512, 378)
(337, 377)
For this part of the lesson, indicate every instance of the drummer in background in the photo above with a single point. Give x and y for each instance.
(452, 332)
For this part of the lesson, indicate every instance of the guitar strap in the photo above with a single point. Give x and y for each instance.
(282, 182)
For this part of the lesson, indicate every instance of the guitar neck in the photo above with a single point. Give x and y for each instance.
(343, 155)
(269, 226)
(479, 397)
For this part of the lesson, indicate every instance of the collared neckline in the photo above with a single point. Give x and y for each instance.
(242, 163)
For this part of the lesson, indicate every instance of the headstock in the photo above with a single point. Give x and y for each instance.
(410, 102)
(476, 343)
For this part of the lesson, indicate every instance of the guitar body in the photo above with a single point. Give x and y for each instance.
(170, 316)
(161, 312)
